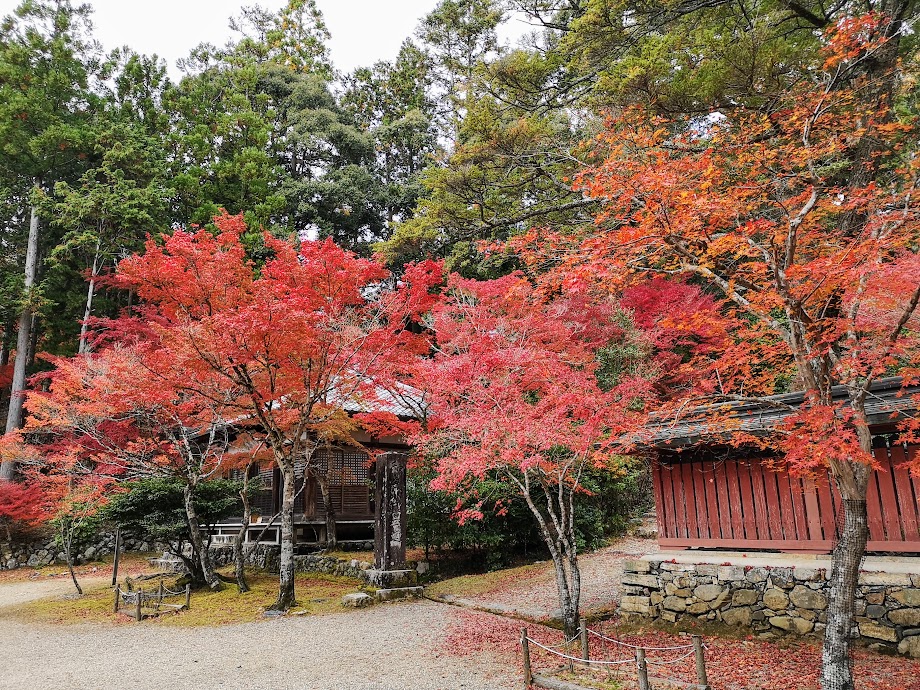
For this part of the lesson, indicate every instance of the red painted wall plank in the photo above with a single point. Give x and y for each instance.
(708, 470)
(680, 515)
(826, 507)
(774, 509)
(658, 488)
(734, 499)
(747, 500)
(785, 501)
(907, 502)
(796, 493)
(812, 511)
(725, 512)
(873, 503)
(693, 531)
(761, 515)
(889, 497)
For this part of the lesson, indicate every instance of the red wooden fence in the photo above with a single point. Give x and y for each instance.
(740, 503)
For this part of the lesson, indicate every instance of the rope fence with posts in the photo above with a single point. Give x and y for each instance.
(132, 603)
(634, 663)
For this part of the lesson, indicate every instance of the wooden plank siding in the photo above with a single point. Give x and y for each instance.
(746, 504)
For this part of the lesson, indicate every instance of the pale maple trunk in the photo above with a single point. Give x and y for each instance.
(23, 339)
(90, 293)
(565, 564)
(198, 542)
(286, 562)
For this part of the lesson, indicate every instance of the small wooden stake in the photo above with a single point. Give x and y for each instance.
(140, 597)
(525, 648)
(188, 596)
(117, 597)
(160, 596)
(643, 669)
(117, 556)
(583, 633)
(700, 660)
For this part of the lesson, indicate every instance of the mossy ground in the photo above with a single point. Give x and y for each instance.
(478, 585)
(316, 594)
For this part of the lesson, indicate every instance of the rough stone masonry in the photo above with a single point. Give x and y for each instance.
(772, 601)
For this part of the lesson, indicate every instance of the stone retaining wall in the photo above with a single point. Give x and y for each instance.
(43, 551)
(772, 601)
(266, 556)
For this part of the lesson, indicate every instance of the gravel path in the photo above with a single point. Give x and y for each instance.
(386, 647)
(535, 597)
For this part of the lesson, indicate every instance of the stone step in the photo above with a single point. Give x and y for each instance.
(395, 593)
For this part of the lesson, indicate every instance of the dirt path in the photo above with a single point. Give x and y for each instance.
(15, 593)
(386, 647)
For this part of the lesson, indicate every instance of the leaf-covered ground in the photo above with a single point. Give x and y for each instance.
(732, 664)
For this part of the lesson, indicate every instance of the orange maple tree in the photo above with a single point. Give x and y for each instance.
(294, 347)
(803, 219)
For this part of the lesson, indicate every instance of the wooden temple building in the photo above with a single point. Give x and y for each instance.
(712, 495)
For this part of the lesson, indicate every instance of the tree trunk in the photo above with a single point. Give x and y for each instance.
(90, 293)
(198, 545)
(23, 338)
(836, 672)
(68, 554)
(286, 564)
(239, 559)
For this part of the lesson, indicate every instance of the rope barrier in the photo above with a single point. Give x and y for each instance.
(590, 662)
(634, 646)
(671, 661)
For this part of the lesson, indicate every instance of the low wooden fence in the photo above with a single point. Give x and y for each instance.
(133, 603)
(637, 657)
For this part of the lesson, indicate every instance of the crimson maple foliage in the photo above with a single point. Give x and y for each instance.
(513, 392)
(295, 346)
(21, 506)
(802, 219)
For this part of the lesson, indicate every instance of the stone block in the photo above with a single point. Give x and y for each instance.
(875, 598)
(775, 599)
(756, 575)
(674, 604)
(907, 597)
(807, 574)
(708, 592)
(910, 646)
(908, 617)
(390, 579)
(633, 579)
(875, 579)
(698, 608)
(637, 566)
(669, 616)
(875, 611)
(635, 604)
(738, 616)
(799, 626)
(877, 631)
(745, 597)
(656, 598)
(357, 600)
(805, 598)
(676, 567)
(707, 569)
(392, 594)
(730, 573)
(721, 600)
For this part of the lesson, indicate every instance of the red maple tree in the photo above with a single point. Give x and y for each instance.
(802, 218)
(297, 345)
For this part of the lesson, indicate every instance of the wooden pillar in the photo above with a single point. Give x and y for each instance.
(643, 670)
(583, 634)
(700, 660)
(390, 512)
(117, 550)
(525, 651)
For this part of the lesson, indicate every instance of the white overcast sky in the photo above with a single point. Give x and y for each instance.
(363, 31)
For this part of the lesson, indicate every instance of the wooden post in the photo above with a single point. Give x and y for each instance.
(117, 597)
(160, 596)
(525, 649)
(700, 660)
(583, 634)
(643, 669)
(140, 597)
(117, 555)
(188, 596)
